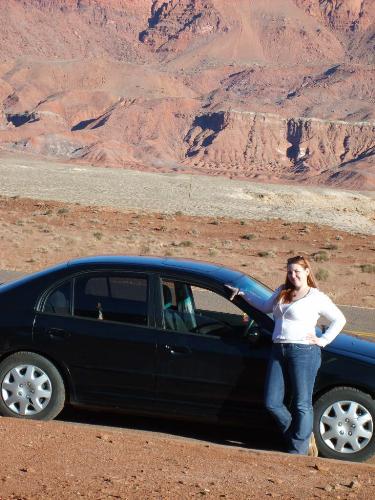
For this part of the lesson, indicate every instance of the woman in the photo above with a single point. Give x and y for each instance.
(295, 359)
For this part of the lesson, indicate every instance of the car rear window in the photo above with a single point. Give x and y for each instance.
(111, 298)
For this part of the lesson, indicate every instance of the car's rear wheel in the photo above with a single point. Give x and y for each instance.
(31, 387)
(344, 424)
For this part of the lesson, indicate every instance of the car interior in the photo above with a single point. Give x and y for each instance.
(97, 297)
(188, 308)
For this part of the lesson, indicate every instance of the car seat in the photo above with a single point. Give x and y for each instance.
(172, 318)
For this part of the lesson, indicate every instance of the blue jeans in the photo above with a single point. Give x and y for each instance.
(297, 365)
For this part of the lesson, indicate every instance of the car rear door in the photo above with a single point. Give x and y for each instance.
(106, 337)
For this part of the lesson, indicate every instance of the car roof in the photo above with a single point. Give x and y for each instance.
(172, 266)
(149, 263)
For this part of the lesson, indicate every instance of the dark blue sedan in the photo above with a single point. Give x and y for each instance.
(159, 336)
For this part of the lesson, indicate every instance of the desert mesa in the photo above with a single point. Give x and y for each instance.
(274, 91)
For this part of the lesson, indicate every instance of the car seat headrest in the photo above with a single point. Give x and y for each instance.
(167, 296)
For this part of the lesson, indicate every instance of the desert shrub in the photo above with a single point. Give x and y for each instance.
(227, 244)
(322, 274)
(248, 236)
(321, 256)
(62, 211)
(266, 253)
(367, 268)
(186, 243)
(145, 249)
(330, 246)
(98, 235)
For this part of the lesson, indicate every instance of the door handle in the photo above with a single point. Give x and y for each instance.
(176, 350)
(58, 333)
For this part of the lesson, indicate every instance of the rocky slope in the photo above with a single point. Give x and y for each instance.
(282, 90)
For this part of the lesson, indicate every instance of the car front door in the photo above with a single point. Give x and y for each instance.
(100, 326)
(207, 363)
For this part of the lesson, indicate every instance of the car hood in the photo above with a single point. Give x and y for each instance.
(354, 347)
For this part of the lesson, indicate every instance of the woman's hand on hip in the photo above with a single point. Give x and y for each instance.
(314, 340)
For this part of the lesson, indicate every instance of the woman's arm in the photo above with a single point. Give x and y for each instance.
(337, 320)
(263, 305)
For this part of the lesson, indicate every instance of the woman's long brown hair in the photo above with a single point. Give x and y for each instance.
(285, 295)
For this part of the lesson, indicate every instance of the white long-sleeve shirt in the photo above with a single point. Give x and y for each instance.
(295, 320)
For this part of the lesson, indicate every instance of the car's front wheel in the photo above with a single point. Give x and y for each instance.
(31, 387)
(344, 422)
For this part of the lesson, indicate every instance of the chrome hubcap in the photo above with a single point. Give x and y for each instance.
(346, 427)
(26, 390)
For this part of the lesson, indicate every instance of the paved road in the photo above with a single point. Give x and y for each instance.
(360, 320)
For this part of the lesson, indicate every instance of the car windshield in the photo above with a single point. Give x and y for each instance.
(248, 284)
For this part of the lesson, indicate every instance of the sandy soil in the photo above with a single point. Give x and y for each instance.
(56, 460)
(34, 234)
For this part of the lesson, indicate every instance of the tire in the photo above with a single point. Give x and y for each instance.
(344, 424)
(30, 387)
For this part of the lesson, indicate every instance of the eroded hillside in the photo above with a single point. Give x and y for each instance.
(260, 89)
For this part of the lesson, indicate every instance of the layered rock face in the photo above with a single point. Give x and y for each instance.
(280, 91)
(342, 14)
(173, 24)
(265, 146)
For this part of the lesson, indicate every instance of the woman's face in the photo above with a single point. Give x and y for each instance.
(297, 275)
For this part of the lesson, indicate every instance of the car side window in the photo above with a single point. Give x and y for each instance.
(59, 300)
(190, 308)
(111, 298)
